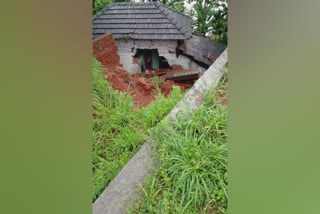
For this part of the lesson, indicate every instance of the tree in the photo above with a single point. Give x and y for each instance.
(98, 5)
(219, 23)
(211, 18)
(203, 14)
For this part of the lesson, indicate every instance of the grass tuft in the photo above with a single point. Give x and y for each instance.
(193, 175)
(118, 130)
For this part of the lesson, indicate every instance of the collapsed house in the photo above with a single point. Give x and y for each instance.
(152, 36)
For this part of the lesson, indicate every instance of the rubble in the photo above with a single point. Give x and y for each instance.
(140, 86)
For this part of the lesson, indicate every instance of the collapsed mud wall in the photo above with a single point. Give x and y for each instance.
(105, 50)
(142, 89)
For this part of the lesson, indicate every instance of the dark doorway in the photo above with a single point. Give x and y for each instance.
(148, 59)
(163, 63)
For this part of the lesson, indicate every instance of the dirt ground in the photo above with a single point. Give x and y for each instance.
(222, 96)
(142, 88)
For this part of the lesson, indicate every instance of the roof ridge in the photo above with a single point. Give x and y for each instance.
(130, 3)
(100, 12)
(158, 4)
(108, 6)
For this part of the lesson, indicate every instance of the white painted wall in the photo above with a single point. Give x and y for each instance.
(125, 50)
(165, 47)
(126, 61)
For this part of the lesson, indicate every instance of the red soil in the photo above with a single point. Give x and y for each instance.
(142, 89)
(222, 97)
(139, 86)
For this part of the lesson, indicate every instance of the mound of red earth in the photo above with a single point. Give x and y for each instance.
(142, 88)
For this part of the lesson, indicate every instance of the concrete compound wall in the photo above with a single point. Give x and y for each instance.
(166, 48)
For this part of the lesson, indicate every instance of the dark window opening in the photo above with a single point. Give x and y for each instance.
(149, 59)
(163, 64)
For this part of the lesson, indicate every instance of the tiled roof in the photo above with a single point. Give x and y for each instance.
(202, 49)
(145, 20)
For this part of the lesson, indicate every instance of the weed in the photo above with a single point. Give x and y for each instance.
(119, 131)
(158, 82)
(131, 84)
(192, 177)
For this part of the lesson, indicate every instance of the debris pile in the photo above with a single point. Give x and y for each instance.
(142, 87)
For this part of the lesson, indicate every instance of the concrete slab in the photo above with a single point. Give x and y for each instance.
(208, 81)
(124, 187)
(182, 76)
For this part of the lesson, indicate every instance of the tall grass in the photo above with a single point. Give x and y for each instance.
(118, 130)
(193, 174)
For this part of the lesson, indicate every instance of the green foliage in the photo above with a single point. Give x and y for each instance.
(211, 17)
(192, 156)
(98, 5)
(158, 81)
(203, 15)
(177, 5)
(219, 23)
(118, 130)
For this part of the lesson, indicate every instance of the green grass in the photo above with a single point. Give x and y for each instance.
(192, 158)
(118, 130)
